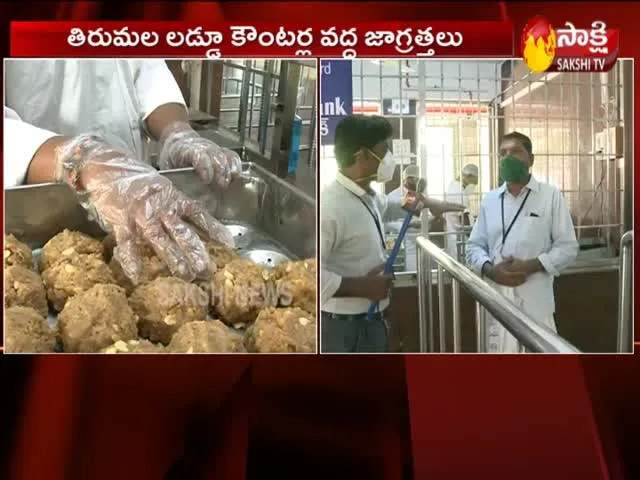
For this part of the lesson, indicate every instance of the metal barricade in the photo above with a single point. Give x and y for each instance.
(625, 297)
(531, 336)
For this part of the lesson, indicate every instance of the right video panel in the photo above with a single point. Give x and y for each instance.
(472, 206)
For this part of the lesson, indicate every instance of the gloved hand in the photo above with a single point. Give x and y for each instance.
(132, 200)
(183, 147)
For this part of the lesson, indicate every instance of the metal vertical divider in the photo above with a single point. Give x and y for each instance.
(432, 323)
(628, 140)
(245, 104)
(312, 133)
(442, 313)
(481, 329)
(457, 327)
(423, 328)
(265, 106)
(285, 114)
(625, 298)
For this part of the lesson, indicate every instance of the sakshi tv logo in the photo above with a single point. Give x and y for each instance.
(569, 49)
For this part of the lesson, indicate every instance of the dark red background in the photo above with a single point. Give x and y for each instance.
(435, 417)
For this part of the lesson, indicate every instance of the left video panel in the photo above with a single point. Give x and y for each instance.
(160, 206)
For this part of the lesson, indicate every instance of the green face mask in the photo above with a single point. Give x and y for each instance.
(513, 170)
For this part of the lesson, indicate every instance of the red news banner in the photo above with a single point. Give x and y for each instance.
(266, 40)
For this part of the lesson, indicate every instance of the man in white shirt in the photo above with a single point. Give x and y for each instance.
(395, 214)
(86, 123)
(458, 192)
(523, 238)
(352, 242)
(410, 179)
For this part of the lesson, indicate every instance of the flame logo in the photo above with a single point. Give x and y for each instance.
(538, 44)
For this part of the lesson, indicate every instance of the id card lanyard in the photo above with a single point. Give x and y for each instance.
(375, 220)
(505, 233)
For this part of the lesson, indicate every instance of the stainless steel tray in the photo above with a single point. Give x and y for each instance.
(260, 199)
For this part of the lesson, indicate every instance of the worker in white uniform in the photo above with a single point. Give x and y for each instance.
(352, 243)
(523, 238)
(87, 123)
(395, 215)
(459, 192)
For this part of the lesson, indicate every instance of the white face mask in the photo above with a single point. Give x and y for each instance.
(470, 188)
(386, 168)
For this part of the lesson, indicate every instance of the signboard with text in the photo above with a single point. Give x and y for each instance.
(336, 96)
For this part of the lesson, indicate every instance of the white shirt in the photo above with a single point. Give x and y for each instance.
(394, 209)
(455, 194)
(394, 214)
(350, 243)
(543, 230)
(47, 98)
(394, 217)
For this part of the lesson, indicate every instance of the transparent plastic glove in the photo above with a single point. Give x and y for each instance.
(132, 200)
(183, 147)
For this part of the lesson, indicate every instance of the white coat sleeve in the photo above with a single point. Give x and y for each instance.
(382, 202)
(564, 245)
(393, 210)
(477, 248)
(329, 281)
(465, 199)
(156, 86)
(21, 142)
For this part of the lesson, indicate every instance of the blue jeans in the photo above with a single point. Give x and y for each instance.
(354, 333)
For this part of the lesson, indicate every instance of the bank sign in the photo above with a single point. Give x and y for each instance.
(336, 96)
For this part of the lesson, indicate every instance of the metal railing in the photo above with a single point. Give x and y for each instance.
(625, 297)
(532, 336)
(600, 263)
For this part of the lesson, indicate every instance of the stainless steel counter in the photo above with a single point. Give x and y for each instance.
(259, 200)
